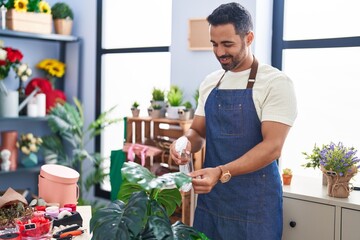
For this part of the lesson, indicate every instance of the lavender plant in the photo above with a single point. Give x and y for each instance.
(338, 158)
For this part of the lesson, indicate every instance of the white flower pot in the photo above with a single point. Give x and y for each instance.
(172, 112)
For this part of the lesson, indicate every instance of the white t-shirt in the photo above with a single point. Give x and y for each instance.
(273, 92)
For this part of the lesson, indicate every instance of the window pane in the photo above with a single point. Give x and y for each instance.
(326, 84)
(309, 19)
(127, 78)
(136, 23)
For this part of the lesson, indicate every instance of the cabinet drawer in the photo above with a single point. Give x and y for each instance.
(308, 220)
(350, 220)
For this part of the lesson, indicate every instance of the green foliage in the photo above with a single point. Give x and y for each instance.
(61, 10)
(142, 212)
(175, 96)
(188, 105)
(196, 97)
(313, 158)
(158, 94)
(52, 145)
(287, 171)
(156, 106)
(135, 105)
(68, 122)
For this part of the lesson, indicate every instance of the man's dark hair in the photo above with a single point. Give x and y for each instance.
(232, 13)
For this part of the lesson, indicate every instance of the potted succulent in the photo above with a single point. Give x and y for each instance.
(142, 210)
(186, 113)
(63, 18)
(287, 176)
(175, 101)
(155, 111)
(134, 109)
(158, 98)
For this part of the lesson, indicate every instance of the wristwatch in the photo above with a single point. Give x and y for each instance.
(225, 175)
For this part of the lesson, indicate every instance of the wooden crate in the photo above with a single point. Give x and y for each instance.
(29, 22)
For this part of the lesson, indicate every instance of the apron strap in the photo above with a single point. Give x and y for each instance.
(218, 83)
(254, 67)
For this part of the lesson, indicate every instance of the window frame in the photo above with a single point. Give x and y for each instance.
(99, 192)
(279, 44)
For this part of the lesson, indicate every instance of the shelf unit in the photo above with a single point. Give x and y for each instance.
(68, 50)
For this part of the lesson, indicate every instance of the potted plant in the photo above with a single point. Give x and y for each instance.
(63, 18)
(175, 100)
(338, 164)
(28, 16)
(287, 176)
(134, 109)
(68, 122)
(155, 111)
(158, 98)
(153, 199)
(186, 113)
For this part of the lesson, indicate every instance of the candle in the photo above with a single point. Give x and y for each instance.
(41, 104)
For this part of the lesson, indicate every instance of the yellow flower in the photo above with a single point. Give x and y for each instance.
(45, 64)
(57, 70)
(21, 5)
(25, 150)
(44, 7)
(52, 67)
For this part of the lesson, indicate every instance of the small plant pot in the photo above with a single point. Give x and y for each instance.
(63, 26)
(135, 112)
(286, 179)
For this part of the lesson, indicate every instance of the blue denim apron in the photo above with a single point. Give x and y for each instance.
(249, 206)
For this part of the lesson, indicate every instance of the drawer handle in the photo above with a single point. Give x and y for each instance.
(292, 224)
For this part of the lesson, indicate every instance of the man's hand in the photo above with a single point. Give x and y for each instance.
(183, 157)
(205, 179)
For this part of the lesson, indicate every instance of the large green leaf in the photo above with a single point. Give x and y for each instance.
(120, 221)
(138, 174)
(184, 232)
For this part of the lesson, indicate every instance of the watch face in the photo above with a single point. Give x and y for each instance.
(225, 177)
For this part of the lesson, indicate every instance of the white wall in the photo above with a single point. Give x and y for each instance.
(188, 68)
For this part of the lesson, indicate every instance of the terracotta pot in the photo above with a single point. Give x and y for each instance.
(63, 26)
(8, 141)
(286, 179)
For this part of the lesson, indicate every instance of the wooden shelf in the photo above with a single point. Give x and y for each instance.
(37, 36)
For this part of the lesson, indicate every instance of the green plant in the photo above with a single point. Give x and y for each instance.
(61, 10)
(196, 97)
(313, 158)
(158, 94)
(52, 145)
(135, 105)
(287, 171)
(175, 96)
(142, 210)
(156, 107)
(188, 105)
(68, 122)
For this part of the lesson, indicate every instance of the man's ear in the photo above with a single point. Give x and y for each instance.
(249, 38)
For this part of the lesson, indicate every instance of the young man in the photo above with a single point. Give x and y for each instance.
(244, 114)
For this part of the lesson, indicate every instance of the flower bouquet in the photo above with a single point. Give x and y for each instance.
(9, 58)
(53, 68)
(29, 146)
(339, 164)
